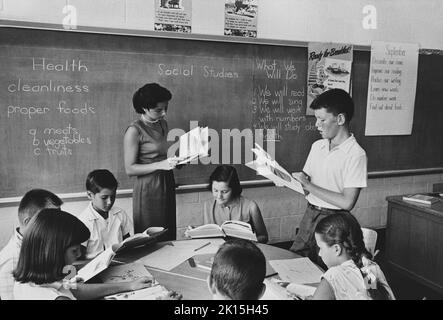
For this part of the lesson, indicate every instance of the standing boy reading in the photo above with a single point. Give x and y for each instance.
(335, 170)
(32, 203)
(108, 225)
(238, 271)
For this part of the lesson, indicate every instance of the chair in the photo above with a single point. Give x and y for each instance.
(370, 240)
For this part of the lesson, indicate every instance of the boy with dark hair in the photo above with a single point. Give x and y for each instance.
(108, 225)
(335, 170)
(32, 203)
(238, 271)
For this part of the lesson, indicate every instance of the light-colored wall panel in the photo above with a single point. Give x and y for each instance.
(100, 13)
(294, 20)
(45, 11)
(140, 14)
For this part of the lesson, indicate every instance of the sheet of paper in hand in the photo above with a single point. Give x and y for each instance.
(194, 144)
(269, 168)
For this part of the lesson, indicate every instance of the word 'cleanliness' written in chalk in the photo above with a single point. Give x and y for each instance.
(56, 141)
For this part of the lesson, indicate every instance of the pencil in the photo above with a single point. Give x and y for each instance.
(206, 244)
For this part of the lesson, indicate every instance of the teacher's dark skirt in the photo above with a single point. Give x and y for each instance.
(153, 202)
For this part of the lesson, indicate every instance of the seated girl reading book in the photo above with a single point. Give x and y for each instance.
(228, 203)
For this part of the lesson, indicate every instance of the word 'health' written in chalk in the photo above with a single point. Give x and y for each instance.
(66, 65)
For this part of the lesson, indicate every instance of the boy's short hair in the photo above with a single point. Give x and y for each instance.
(239, 270)
(36, 200)
(100, 179)
(335, 101)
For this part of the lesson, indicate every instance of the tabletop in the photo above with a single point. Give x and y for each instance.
(189, 279)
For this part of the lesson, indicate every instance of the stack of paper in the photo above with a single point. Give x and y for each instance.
(421, 198)
(270, 169)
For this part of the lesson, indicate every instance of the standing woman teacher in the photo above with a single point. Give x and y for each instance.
(145, 156)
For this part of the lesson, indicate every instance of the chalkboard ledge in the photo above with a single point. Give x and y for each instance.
(127, 193)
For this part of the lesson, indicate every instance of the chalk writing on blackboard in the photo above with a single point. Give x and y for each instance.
(56, 141)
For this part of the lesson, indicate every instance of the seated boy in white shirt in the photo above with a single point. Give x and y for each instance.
(108, 225)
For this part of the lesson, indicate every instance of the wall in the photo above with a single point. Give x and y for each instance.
(282, 209)
(297, 20)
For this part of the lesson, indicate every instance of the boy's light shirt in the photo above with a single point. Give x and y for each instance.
(104, 232)
(345, 166)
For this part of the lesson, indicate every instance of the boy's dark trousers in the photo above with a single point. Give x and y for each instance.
(304, 243)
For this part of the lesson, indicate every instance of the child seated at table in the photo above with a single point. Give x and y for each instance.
(32, 203)
(352, 275)
(229, 204)
(108, 225)
(238, 271)
(50, 245)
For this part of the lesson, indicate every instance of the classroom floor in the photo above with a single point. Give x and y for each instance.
(403, 288)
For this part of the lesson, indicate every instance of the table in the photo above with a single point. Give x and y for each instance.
(414, 241)
(191, 281)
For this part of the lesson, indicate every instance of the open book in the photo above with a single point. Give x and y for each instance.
(148, 236)
(193, 144)
(103, 260)
(267, 167)
(230, 228)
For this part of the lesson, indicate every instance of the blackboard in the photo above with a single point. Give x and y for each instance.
(79, 89)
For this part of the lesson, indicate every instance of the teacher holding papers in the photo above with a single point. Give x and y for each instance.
(145, 156)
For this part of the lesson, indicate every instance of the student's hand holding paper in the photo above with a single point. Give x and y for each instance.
(304, 180)
(278, 184)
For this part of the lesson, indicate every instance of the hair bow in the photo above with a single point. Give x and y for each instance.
(369, 278)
